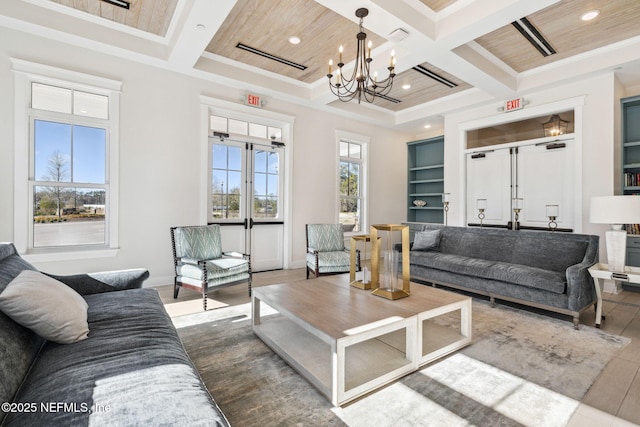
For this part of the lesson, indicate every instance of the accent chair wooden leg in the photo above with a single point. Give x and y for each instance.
(249, 283)
(204, 300)
(176, 289)
(307, 272)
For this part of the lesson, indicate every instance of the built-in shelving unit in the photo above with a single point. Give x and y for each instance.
(425, 180)
(631, 168)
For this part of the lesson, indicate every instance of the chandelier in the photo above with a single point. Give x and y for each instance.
(362, 84)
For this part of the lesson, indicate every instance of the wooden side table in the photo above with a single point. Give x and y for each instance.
(600, 272)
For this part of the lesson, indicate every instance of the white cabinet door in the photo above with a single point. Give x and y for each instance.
(545, 176)
(489, 178)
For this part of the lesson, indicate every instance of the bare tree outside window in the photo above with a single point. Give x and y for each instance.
(57, 171)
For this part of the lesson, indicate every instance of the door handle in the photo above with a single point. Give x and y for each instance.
(245, 223)
(251, 223)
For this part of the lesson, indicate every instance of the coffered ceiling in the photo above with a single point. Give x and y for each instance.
(471, 44)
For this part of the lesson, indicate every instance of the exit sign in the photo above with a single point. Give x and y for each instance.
(514, 104)
(254, 100)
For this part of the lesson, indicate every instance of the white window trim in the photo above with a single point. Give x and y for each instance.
(24, 73)
(364, 141)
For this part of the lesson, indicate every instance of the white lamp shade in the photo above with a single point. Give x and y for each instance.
(615, 210)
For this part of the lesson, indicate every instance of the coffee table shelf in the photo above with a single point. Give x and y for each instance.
(347, 342)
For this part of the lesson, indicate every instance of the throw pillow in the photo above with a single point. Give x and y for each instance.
(427, 240)
(48, 307)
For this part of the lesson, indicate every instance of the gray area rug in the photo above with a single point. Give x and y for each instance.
(522, 369)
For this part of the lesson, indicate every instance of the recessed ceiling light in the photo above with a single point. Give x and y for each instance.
(588, 16)
(294, 39)
(427, 126)
(406, 86)
(201, 26)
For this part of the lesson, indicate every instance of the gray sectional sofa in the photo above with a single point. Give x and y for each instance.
(131, 369)
(546, 270)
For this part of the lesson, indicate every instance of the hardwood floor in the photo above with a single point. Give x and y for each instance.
(613, 400)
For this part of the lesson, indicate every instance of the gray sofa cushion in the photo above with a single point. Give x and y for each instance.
(428, 240)
(495, 270)
(532, 248)
(133, 363)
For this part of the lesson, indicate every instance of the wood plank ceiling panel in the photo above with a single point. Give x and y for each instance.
(437, 5)
(152, 16)
(423, 89)
(268, 25)
(561, 25)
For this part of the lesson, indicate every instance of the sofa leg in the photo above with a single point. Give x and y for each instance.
(576, 322)
(492, 301)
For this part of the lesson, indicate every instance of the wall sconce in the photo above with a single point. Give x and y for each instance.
(481, 204)
(555, 126)
(552, 213)
(517, 207)
(445, 203)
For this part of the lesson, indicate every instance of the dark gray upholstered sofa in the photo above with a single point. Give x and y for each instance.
(131, 370)
(537, 268)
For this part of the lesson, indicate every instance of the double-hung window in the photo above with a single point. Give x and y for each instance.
(67, 139)
(352, 183)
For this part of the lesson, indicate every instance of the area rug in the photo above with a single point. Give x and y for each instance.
(522, 369)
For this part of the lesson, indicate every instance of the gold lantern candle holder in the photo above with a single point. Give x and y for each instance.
(386, 280)
(364, 281)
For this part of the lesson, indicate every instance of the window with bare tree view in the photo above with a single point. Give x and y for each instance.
(69, 168)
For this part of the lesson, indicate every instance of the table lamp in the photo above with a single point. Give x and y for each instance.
(616, 211)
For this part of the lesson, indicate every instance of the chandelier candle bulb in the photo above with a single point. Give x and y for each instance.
(330, 66)
(369, 47)
(340, 50)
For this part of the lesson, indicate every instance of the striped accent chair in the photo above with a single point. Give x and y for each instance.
(326, 253)
(201, 265)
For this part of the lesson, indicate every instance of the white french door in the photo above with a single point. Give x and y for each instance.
(247, 183)
(539, 174)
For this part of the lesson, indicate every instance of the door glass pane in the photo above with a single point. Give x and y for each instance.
(226, 181)
(260, 184)
(266, 180)
(68, 216)
(219, 156)
(260, 162)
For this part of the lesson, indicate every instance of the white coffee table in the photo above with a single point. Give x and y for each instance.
(348, 342)
(600, 272)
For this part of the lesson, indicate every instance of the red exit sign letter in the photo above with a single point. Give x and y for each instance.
(254, 100)
(514, 104)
